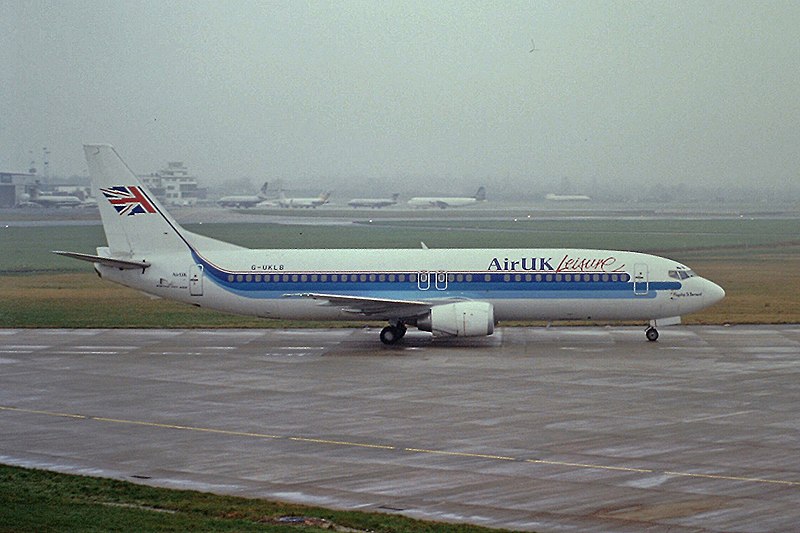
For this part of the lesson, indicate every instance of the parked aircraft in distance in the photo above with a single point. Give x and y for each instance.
(449, 292)
(37, 199)
(251, 200)
(567, 197)
(444, 202)
(322, 199)
(374, 202)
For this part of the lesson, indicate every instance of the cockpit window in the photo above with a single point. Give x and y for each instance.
(681, 274)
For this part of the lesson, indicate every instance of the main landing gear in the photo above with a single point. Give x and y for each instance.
(393, 333)
(651, 333)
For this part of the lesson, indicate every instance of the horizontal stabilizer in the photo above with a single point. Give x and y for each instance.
(107, 261)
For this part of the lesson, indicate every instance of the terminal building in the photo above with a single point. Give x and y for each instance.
(15, 188)
(174, 186)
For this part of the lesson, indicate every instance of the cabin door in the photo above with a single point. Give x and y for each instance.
(423, 280)
(641, 279)
(196, 280)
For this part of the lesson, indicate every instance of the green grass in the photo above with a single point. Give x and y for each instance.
(36, 500)
(27, 249)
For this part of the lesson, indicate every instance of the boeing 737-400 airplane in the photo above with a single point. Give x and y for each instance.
(449, 292)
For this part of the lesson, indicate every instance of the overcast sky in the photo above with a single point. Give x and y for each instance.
(384, 91)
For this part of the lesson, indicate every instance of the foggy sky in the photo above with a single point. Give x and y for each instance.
(438, 95)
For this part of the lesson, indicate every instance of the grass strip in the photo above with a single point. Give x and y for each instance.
(42, 501)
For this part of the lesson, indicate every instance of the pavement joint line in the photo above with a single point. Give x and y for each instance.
(389, 447)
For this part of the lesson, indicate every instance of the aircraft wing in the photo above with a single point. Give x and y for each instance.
(372, 307)
(122, 264)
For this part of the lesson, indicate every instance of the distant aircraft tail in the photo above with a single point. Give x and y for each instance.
(262, 193)
(481, 194)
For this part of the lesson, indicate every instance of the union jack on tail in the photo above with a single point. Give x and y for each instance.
(128, 200)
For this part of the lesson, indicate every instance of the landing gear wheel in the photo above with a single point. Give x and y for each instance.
(652, 334)
(390, 335)
(401, 331)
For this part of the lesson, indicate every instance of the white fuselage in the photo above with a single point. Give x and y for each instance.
(539, 284)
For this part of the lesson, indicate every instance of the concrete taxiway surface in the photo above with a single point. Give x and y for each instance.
(557, 429)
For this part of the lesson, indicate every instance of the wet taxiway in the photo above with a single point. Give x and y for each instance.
(556, 429)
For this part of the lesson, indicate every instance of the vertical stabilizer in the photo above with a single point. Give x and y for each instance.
(134, 222)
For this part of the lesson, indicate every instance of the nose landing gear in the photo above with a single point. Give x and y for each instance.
(651, 333)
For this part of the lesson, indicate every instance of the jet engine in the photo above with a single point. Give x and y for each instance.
(460, 319)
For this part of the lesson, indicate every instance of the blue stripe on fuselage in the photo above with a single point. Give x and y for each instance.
(477, 288)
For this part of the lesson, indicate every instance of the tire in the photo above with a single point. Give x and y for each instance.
(390, 335)
(652, 334)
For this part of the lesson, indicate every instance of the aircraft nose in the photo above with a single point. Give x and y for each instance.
(713, 293)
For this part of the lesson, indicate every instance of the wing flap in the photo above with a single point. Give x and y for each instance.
(122, 264)
(366, 306)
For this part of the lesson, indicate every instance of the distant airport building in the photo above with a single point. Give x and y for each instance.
(15, 188)
(174, 186)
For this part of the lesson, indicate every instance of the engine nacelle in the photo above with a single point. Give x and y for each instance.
(460, 319)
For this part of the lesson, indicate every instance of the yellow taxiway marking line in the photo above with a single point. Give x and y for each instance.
(342, 443)
(461, 454)
(187, 428)
(34, 411)
(389, 447)
(588, 465)
(735, 478)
